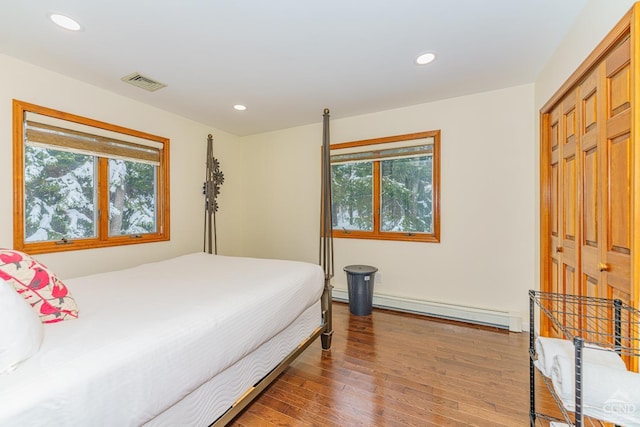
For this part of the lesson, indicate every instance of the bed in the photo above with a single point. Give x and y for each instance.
(188, 341)
(185, 341)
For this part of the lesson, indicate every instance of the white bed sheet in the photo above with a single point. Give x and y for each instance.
(148, 336)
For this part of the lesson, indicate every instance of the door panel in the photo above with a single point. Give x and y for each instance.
(555, 305)
(555, 282)
(590, 255)
(616, 253)
(594, 325)
(590, 197)
(555, 204)
(569, 187)
(571, 287)
(570, 196)
(620, 195)
(591, 180)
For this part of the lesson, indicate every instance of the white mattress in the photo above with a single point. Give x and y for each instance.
(212, 399)
(150, 335)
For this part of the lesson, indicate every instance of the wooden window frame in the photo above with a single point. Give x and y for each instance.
(102, 238)
(376, 233)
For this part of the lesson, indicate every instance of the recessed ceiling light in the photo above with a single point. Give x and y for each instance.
(240, 107)
(65, 22)
(425, 58)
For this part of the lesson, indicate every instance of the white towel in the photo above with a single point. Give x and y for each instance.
(609, 393)
(558, 424)
(548, 348)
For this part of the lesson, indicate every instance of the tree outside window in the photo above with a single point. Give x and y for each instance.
(80, 183)
(132, 198)
(387, 188)
(60, 195)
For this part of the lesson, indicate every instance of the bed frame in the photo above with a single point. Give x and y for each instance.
(255, 391)
(325, 331)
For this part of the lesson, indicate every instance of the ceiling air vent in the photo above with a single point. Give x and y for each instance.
(145, 83)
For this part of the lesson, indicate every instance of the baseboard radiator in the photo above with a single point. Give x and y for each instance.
(510, 320)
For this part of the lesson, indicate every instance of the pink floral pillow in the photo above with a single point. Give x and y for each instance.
(38, 285)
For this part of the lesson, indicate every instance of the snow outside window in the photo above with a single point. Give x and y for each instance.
(387, 188)
(84, 183)
(60, 195)
(132, 197)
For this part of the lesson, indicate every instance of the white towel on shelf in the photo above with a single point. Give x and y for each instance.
(558, 424)
(548, 348)
(608, 392)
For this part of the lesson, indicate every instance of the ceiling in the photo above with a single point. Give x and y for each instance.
(287, 60)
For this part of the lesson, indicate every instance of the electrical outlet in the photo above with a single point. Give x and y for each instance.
(378, 277)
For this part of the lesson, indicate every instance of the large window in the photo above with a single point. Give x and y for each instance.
(80, 183)
(387, 188)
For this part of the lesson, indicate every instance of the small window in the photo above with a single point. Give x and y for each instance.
(387, 188)
(80, 183)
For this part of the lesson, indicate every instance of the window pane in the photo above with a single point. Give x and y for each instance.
(132, 198)
(407, 195)
(59, 195)
(352, 196)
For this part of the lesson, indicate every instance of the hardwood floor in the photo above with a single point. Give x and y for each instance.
(394, 369)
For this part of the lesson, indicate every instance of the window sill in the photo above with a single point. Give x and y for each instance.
(403, 237)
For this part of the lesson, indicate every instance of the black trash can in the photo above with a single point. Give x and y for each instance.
(360, 280)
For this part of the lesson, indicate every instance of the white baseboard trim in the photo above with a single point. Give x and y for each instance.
(510, 320)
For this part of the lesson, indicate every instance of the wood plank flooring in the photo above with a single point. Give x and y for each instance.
(394, 369)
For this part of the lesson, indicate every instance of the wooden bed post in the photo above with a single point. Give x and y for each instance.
(326, 234)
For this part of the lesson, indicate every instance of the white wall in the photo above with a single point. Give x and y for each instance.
(488, 256)
(593, 24)
(19, 80)
(485, 258)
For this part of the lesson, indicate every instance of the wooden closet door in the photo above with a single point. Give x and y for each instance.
(555, 209)
(569, 172)
(605, 203)
(615, 263)
(590, 180)
(593, 200)
(593, 182)
(563, 226)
